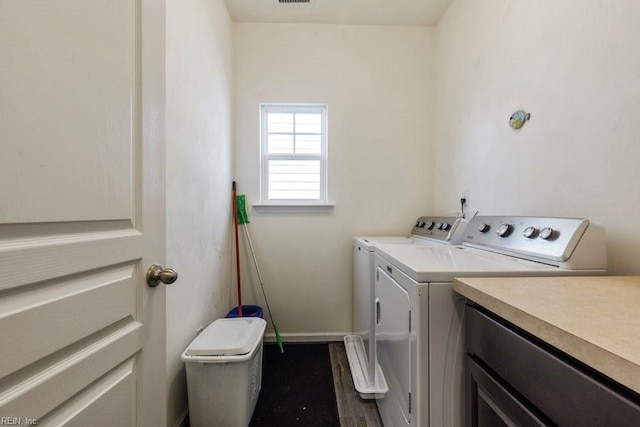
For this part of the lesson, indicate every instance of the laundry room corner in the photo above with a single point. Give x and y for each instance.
(568, 64)
(372, 79)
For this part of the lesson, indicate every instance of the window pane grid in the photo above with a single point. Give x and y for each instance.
(294, 133)
(294, 152)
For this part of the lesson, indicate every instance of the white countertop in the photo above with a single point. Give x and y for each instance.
(594, 319)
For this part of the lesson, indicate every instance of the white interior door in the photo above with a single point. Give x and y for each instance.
(81, 212)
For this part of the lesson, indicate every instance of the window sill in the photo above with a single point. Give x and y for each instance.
(262, 208)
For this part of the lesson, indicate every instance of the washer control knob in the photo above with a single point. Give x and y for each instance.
(530, 232)
(484, 227)
(504, 230)
(421, 224)
(430, 225)
(417, 224)
(546, 233)
(446, 226)
(439, 226)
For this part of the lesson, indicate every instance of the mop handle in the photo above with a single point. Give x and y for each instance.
(253, 254)
(235, 223)
(255, 261)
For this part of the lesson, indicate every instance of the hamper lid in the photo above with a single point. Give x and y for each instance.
(228, 337)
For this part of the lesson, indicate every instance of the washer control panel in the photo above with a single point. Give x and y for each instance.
(442, 228)
(539, 237)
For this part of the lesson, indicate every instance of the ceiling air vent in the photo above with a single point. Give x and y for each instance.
(294, 1)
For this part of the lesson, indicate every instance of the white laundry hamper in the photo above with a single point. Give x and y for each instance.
(224, 372)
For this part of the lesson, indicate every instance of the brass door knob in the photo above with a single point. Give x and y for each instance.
(157, 274)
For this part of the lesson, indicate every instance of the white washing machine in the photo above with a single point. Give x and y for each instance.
(418, 332)
(360, 347)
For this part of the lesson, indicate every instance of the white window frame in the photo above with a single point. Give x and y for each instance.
(265, 202)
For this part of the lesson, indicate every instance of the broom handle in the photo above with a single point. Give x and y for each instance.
(255, 261)
(253, 254)
(264, 293)
(235, 222)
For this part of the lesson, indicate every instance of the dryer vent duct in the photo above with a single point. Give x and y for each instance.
(294, 1)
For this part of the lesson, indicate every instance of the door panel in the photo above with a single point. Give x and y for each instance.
(68, 81)
(97, 403)
(363, 315)
(42, 387)
(81, 113)
(33, 259)
(393, 346)
(71, 310)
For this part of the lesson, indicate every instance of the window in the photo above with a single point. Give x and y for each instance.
(294, 154)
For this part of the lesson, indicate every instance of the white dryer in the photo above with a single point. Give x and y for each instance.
(360, 347)
(418, 317)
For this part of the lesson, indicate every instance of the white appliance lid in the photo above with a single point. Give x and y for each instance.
(369, 243)
(443, 263)
(228, 337)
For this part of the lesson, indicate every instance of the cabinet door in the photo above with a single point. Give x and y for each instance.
(393, 347)
(489, 404)
(547, 382)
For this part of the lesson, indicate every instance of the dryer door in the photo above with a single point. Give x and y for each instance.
(393, 348)
(363, 283)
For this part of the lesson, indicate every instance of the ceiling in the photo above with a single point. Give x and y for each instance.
(363, 12)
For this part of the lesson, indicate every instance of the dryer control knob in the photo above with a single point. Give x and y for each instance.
(430, 225)
(504, 230)
(546, 233)
(483, 228)
(439, 226)
(446, 226)
(530, 232)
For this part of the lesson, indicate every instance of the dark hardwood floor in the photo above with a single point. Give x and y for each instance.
(352, 410)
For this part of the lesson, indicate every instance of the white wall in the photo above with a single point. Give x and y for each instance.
(198, 119)
(574, 65)
(377, 82)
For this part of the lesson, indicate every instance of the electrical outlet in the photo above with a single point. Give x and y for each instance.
(464, 202)
(465, 195)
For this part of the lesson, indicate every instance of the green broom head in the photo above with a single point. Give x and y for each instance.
(243, 217)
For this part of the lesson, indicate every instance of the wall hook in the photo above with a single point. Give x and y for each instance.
(517, 119)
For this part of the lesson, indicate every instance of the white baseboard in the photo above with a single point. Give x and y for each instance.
(307, 337)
